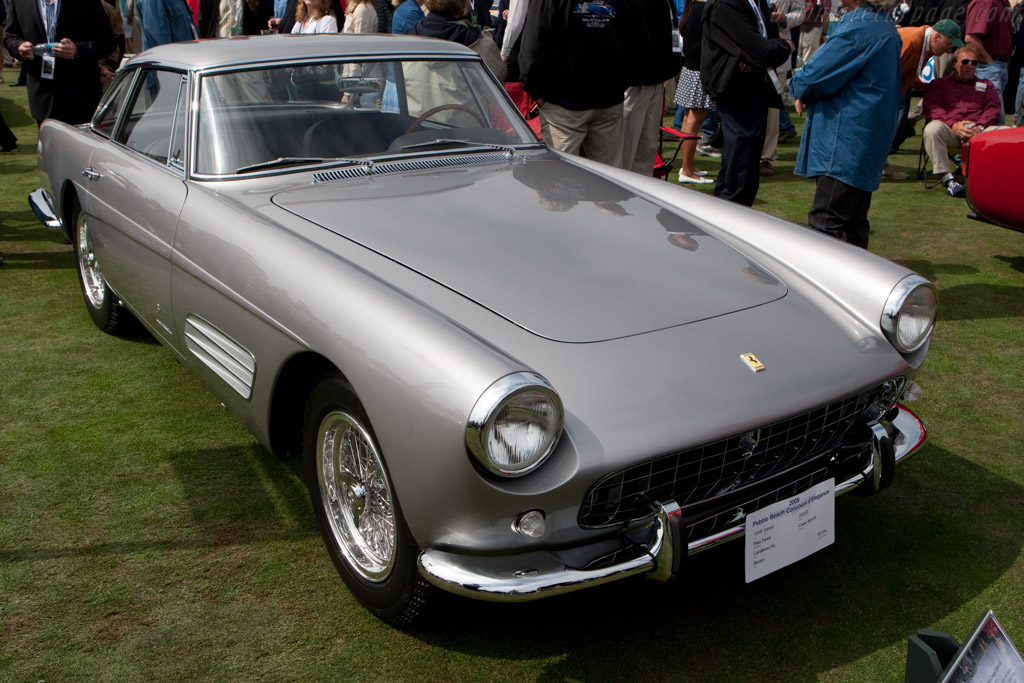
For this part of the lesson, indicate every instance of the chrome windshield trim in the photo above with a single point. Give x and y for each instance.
(226, 67)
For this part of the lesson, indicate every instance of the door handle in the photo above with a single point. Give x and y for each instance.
(89, 173)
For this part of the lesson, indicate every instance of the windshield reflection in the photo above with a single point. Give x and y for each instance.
(349, 110)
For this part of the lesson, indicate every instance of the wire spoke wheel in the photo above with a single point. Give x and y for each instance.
(356, 495)
(93, 284)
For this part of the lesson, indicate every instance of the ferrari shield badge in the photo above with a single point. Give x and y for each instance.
(752, 361)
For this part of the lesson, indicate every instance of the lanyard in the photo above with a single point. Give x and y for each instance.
(760, 18)
(924, 50)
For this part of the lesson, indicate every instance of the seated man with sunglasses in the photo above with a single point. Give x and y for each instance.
(956, 108)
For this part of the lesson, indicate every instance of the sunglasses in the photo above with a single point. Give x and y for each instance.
(973, 62)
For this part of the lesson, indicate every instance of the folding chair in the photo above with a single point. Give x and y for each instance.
(662, 167)
(922, 165)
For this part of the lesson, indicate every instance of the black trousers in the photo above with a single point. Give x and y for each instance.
(904, 129)
(840, 210)
(744, 116)
(483, 13)
(7, 139)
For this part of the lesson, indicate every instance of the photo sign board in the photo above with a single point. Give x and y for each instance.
(780, 534)
(987, 656)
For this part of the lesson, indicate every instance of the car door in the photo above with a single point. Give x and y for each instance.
(136, 192)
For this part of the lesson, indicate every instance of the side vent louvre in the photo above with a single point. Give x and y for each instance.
(231, 362)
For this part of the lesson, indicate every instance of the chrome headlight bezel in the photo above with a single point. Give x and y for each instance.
(500, 394)
(907, 290)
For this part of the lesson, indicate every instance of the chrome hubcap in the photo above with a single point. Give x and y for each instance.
(356, 495)
(92, 278)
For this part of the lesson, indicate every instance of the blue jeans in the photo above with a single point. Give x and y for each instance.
(710, 125)
(786, 123)
(999, 74)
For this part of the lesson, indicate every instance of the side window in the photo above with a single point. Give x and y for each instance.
(151, 114)
(106, 114)
(180, 127)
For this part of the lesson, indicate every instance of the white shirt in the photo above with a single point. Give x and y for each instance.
(514, 25)
(325, 24)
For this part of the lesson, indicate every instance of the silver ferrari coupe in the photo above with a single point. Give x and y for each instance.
(511, 373)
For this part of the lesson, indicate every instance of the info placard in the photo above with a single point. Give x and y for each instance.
(780, 534)
(987, 656)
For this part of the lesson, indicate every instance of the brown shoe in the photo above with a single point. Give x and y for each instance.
(767, 168)
(892, 174)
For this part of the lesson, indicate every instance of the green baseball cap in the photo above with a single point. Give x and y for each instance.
(951, 30)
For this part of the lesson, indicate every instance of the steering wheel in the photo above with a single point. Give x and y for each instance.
(444, 107)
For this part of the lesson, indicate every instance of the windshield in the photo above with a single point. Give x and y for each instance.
(275, 117)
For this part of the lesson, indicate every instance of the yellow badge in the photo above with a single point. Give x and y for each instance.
(751, 360)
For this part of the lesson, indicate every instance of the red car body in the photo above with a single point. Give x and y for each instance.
(994, 166)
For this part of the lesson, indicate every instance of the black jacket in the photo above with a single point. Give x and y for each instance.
(581, 54)
(660, 62)
(928, 12)
(252, 22)
(74, 91)
(731, 38)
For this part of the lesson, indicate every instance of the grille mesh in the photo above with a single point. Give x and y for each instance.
(698, 478)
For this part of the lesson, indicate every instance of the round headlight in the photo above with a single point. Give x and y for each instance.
(515, 424)
(909, 313)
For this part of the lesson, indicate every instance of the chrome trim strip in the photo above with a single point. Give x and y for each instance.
(439, 571)
(231, 362)
(42, 206)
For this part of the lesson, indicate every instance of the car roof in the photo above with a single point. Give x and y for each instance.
(216, 52)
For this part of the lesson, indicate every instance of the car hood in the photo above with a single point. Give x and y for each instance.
(554, 248)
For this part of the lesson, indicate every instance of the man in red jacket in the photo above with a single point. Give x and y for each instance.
(957, 108)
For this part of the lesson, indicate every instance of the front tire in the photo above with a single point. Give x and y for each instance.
(106, 312)
(356, 509)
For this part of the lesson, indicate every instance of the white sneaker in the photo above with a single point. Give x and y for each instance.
(699, 180)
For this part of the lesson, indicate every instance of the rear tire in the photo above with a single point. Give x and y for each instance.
(356, 508)
(104, 309)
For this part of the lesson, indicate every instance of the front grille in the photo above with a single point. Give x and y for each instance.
(702, 479)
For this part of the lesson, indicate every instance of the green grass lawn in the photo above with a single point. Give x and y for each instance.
(144, 534)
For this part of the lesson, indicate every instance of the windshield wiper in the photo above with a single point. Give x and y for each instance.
(281, 162)
(511, 149)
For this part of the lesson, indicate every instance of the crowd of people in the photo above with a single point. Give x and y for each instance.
(595, 73)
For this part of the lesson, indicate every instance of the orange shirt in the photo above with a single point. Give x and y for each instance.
(910, 54)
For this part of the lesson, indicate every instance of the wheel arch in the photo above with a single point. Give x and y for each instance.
(68, 195)
(295, 382)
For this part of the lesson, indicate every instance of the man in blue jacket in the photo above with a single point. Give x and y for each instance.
(165, 21)
(851, 90)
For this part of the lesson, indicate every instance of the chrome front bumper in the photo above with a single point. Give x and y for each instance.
(42, 205)
(660, 558)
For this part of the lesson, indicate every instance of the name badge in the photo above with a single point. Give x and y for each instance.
(49, 64)
(981, 86)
